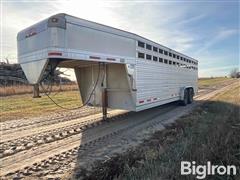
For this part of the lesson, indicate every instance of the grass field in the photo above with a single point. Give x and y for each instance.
(210, 133)
(24, 106)
(28, 89)
(208, 82)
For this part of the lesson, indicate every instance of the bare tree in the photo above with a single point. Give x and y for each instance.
(6, 59)
(234, 73)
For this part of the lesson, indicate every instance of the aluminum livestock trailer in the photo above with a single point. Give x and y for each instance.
(114, 68)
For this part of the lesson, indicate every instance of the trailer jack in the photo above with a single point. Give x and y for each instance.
(36, 91)
(104, 103)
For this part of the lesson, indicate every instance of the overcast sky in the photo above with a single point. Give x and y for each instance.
(205, 30)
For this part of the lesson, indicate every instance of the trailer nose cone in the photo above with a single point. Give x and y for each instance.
(34, 70)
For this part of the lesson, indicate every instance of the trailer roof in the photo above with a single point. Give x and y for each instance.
(136, 35)
(126, 33)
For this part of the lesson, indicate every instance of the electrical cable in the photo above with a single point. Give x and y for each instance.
(59, 90)
(51, 71)
(51, 84)
(84, 104)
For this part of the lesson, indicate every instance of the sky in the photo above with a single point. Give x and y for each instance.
(205, 30)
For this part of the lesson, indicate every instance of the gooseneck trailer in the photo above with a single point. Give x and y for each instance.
(113, 68)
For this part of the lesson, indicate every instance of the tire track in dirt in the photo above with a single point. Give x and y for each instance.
(19, 141)
(22, 124)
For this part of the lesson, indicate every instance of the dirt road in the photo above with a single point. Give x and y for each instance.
(45, 149)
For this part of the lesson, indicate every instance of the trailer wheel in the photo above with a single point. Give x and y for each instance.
(190, 96)
(184, 102)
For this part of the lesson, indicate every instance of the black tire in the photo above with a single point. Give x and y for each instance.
(184, 102)
(190, 96)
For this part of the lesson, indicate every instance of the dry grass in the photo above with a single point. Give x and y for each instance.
(210, 133)
(27, 89)
(24, 106)
(211, 82)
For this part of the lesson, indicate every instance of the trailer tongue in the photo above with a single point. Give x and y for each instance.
(114, 68)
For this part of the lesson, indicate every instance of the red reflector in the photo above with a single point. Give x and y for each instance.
(55, 54)
(111, 59)
(94, 57)
(141, 101)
